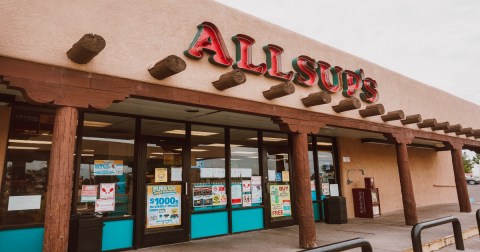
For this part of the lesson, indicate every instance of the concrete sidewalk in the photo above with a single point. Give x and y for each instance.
(388, 233)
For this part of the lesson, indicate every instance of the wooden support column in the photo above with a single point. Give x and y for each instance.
(60, 173)
(459, 173)
(401, 140)
(303, 198)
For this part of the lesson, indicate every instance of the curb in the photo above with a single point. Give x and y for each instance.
(447, 240)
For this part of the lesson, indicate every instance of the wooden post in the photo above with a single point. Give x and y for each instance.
(408, 197)
(317, 98)
(372, 110)
(167, 67)
(459, 173)
(5, 112)
(60, 171)
(411, 119)
(347, 104)
(279, 90)
(303, 197)
(86, 48)
(393, 115)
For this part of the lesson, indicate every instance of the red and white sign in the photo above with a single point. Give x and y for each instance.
(104, 205)
(89, 193)
(107, 191)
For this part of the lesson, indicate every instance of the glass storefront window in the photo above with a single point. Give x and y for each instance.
(311, 162)
(106, 165)
(326, 169)
(245, 169)
(24, 187)
(163, 173)
(276, 150)
(207, 174)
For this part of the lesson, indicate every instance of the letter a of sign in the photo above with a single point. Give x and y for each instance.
(209, 40)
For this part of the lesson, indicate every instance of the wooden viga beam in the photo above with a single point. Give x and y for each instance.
(317, 98)
(372, 110)
(454, 128)
(347, 104)
(230, 79)
(465, 131)
(167, 67)
(411, 119)
(86, 48)
(427, 123)
(442, 126)
(476, 133)
(393, 115)
(282, 89)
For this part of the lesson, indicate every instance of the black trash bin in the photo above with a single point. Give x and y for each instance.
(335, 209)
(85, 233)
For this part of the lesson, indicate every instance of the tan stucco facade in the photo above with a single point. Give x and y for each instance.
(431, 171)
(138, 35)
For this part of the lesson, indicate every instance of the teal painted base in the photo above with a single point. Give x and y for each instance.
(26, 239)
(117, 234)
(246, 220)
(316, 211)
(208, 224)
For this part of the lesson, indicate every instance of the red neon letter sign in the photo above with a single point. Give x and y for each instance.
(325, 70)
(243, 47)
(306, 74)
(274, 63)
(352, 81)
(209, 40)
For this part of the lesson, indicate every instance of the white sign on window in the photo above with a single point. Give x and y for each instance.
(29, 202)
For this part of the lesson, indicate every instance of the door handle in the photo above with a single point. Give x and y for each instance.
(186, 188)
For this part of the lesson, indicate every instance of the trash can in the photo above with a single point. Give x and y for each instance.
(335, 209)
(85, 233)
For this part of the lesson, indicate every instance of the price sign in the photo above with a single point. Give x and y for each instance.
(163, 205)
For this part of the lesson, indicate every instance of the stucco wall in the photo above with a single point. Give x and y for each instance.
(5, 123)
(139, 34)
(432, 174)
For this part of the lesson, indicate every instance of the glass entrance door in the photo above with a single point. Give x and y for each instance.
(162, 195)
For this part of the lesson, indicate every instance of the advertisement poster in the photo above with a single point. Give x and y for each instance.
(256, 180)
(257, 194)
(176, 174)
(325, 189)
(161, 175)
(163, 205)
(280, 200)
(334, 190)
(107, 190)
(285, 176)
(271, 175)
(89, 193)
(206, 172)
(108, 167)
(28, 202)
(104, 205)
(236, 193)
(247, 200)
(312, 185)
(202, 195)
(219, 195)
(278, 177)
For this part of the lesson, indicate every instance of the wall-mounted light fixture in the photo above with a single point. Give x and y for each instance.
(349, 181)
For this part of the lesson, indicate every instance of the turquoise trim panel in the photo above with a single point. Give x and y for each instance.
(316, 211)
(314, 195)
(208, 224)
(117, 234)
(246, 220)
(25, 239)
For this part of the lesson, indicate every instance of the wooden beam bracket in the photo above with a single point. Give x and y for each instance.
(372, 110)
(410, 119)
(230, 79)
(393, 115)
(277, 91)
(89, 46)
(167, 67)
(317, 98)
(465, 131)
(347, 104)
(442, 126)
(427, 123)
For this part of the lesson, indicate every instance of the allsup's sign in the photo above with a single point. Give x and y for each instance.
(308, 72)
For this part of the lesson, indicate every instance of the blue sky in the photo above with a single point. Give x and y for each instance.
(435, 42)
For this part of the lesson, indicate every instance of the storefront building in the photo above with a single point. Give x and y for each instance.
(182, 120)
